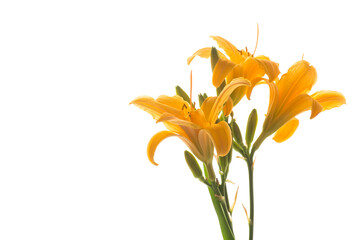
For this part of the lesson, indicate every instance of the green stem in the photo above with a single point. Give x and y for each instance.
(221, 212)
(251, 194)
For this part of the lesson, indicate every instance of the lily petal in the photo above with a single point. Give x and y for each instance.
(167, 117)
(298, 80)
(220, 134)
(271, 68)
(176, 102)
(286, 131)
(207, 106)
(221, 70)
(155, 141)
(155, 108)
(329, 99)
(224, 95)
(228, 47)
(204, 53)
(228, 107)
(298, 105)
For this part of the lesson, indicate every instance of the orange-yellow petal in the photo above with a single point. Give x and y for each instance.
(253, 69)
(329, 99)
(207, 106)
(221, 70)
(271, 68)
(286, 131)
(228, 106)
(220, 134)
(224, 95)
(204, 53)
(298, 105)
(155, 141)
(156, 108)
(298, 80)
(229, 48)
(167, 117)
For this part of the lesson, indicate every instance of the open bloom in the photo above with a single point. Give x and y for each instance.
(240, 63)
(197, 128)
(289, 97)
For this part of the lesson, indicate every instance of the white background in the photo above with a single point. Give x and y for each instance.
(73, 159)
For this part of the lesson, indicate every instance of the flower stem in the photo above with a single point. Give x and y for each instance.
(251, 194)
(220, 209)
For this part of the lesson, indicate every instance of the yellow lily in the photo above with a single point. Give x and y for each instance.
(289, 97)
(197, 128)
(240, 63)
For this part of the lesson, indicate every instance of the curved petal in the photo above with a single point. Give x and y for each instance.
(271, 68)
(166, 117)
(228, 106)
(206, 145)
(207, 106)
(298, 80)
(253, 69)
(198, 118)
(155, 141)
(286, 131)
(237, 71)
(176, 102)
(300, 104)
(329, 99)
(220, 134)
(221, 70)
(273, 102)
(156, 108)
(228, 47)
(224, 95)
(204, 53)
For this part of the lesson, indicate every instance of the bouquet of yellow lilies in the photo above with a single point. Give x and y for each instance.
(212, 126)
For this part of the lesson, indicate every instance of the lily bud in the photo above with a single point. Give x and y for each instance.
(180, 92)
(251, 127)
(201, 99)
(236, 132)
(224, 163)
(214, 57)
(193, 165)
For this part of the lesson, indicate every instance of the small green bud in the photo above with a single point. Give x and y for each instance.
(224, 163)
(214, 57)
(236, 132)
(193, 165)
(205, 95)
(237, 148)
(251, 127)
(180, 92)
(201, 99)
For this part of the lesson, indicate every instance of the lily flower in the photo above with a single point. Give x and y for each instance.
(197, 128)
(239, 63)
(289, 97)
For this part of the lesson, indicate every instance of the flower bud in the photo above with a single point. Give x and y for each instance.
(224, 163)
(214, 57)
(236, 132)
(201, 99)
(193, 165)
(251, 127)
(180, 92)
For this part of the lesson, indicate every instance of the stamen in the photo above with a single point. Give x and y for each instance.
(257, 38)
(302, 58)
(191, 89)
